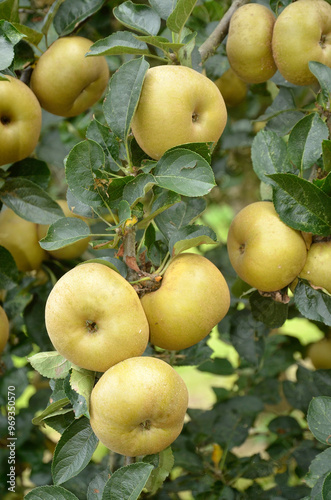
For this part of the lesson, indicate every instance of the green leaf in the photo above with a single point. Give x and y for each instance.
(269, 155)
(77, 401)
(319, 418)
(282, 115)
(326, 149)
(50, 364)
(138, 187)
(162, 201)
(269, 311)
(184, 172)
(123, 96)
(326, 490)
(82, 382)
(106, 139)
(248, 336)
(32, 169)
(31, 36)
(50, 493)
(302, 205)
(138, 17)
(124, 211)
(319, 467)
(179, 215)
(9, 275)
(73, 12)
(51, 410)
(163, 7)
(9, 37)
(324, 184)
(48, 19)
(73, 451)
(218, 366)
(312, 304)
(323, 75)
(161, 43)
(165, 463)
(9, 10)
(191, 236)
(178, 18)
(121, 42)
(127, 482)
(64, 232)
(97, 485)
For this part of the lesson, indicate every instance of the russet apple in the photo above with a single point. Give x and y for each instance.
(232, 88)
(320, 354)
(138, 406)
(177, 106)
(4, 329)
(317, 269)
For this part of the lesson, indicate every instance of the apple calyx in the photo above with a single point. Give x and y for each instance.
(195, 117)
(146, 425)
(91, 326)
(5, 120)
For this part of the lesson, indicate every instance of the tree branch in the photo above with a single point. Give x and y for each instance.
(210, 45)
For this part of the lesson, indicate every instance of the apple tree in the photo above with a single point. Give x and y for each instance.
(258, 421)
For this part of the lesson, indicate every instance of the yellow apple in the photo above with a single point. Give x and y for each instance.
(65, 81)
(20, 237)
(317, 269)
(177, 106)
(71, 251)
(232, 88)
(265, 252)
(94, 317)
(20, 120)
(138, 406)
(248, 45)
(320, 354)
(4, 329)
(302, 33)
(192, 299)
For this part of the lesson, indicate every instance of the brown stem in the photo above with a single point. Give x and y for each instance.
(210, 45)
(129, 460)
(129, 252)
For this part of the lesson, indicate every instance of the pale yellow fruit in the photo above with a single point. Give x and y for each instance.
(302, 33)
(94, 317)
(20, 237)
(232, 88)
(248, 45)
(20, 120)
(138, 406)
(317, 269)
(71, 251)
(192, 299)
(265, 252)
(4, 329)
(65, 81)
(177, 106)
(320, 354)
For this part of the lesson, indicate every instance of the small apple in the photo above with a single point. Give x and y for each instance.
(20, 120)
(248, 45)
(317, 269)
(320, 354)
(94, 317)
(265, 252)
(20, 237)
(4, 329)
(138, 406)
(192, 299)
(232, 88)
(177, 106)
(65, 81)
(302, 33)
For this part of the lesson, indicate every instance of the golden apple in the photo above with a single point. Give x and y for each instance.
(320, 354)
(4, 329)
(71, 251)
(317, 269)
(65, 81)
(138, 406)
(94, 317)
(232, 88)
(20, 120)
(302, 33)
(20, 237)
(248, 45)
(177, 106)
(192, 299)
(264, 251)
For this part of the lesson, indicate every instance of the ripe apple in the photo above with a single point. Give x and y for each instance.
(4, 329)
(302, 33)
(71, 251)
(192, 299)
(320, 354)
(20, 237)
(65, 81)
(138, 406)
(317, 269)
(264, 251)
(94, 317)
(177, 105)
(20, 120)
(232, 88)
(248, 45)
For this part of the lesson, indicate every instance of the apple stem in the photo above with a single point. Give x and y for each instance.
(129, 251)
(129, 460)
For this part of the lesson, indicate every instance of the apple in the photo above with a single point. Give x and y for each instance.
(192, 299)
(320, 354)
(302, 33)
(20, 120)
(265, 252)
(65, 81)
(317, 269)
(248, 45)
(71, 251)
(94, 317)
(138, 406)
(177, 106)
(232, 88)
(4, 329)
(20, 237)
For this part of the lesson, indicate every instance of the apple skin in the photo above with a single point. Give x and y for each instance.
(232, 88)
(66, 82)
(20, 237)
(177, 106)
(94, 317)
(138, 406)
(265, 252)
(4, 329)
(320, 354)
(302, 33)
(248, 45)
(20, 120)
(317, 269)
(192, 299)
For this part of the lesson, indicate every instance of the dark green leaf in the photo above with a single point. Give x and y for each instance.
(8, 270)
(115, 191)
(162, 7)
(285, 427)
(162, 201)
(50, 364)
(50, 493)
(48, 19)
(138, 187)
(138, 17)
(72, 12)
(127, 482)
(324, 184)
(307, 386)
(160, 42)
(219, 366)
(101, 134)
(51, 410)
(313, 304)
(326, 490)
(323, 75)
(31, 36)
(64, 232)
(247, 336)
(190, 236)
(178, 18)
(267, 310)
(326, 149)
(319, 467)
(269, 155)
(319, 418)
(9, 10)
(179, 215)
(282, 115)
(97, 485)
(32, 169)
(124, 211)
(121, 42)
